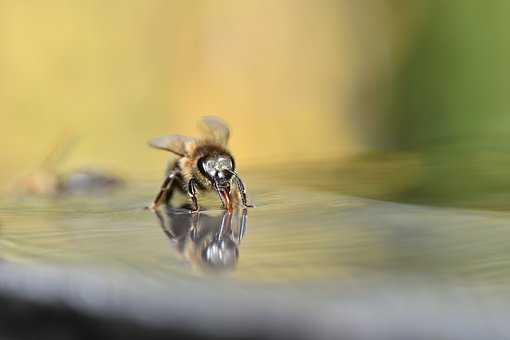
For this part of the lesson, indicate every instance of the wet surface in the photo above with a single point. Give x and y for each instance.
(296, 236)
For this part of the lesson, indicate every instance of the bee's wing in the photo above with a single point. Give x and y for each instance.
(177, 144)
(215, 129)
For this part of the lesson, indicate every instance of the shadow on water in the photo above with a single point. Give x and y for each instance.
(209, 241)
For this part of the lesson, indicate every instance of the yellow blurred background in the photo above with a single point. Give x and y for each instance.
(286, 75)
(422, 83)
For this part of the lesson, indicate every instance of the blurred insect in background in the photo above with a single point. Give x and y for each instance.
(208, 241)
(203, 164)
(48, 180)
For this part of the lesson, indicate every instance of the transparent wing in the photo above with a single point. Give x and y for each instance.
(177, 144)
(215, 129)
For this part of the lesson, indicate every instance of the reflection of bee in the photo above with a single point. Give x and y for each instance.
(203, 164)
(209, 241)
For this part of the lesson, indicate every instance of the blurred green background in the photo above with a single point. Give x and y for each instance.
(403, 100)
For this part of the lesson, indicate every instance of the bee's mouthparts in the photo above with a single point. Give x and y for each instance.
(224, 193)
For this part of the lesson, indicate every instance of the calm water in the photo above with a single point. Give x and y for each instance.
(297, 235)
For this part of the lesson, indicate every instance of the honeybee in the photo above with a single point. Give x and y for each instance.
(203, 164)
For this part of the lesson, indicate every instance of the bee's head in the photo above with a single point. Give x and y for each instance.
(217, 168)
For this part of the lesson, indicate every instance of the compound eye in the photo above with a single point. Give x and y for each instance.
(224, 163)
(210, 167)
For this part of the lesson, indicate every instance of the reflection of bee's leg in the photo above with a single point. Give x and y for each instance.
(192, 193)
(164, 224)
(165, 187)
(195, 223)
(226, 224)
(242, 227)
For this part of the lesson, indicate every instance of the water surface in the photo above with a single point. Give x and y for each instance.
(295, 236)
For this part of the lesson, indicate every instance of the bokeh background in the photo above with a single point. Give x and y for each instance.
(403, 100)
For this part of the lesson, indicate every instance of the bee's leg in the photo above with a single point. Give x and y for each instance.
(242, 189)
(192, 193)
(164, 189)
(176, 184)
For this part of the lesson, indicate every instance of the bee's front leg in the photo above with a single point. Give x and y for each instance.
(242, 189)
(192, 193)
(167, 183)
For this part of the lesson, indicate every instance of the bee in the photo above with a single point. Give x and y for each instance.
(203, 164)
